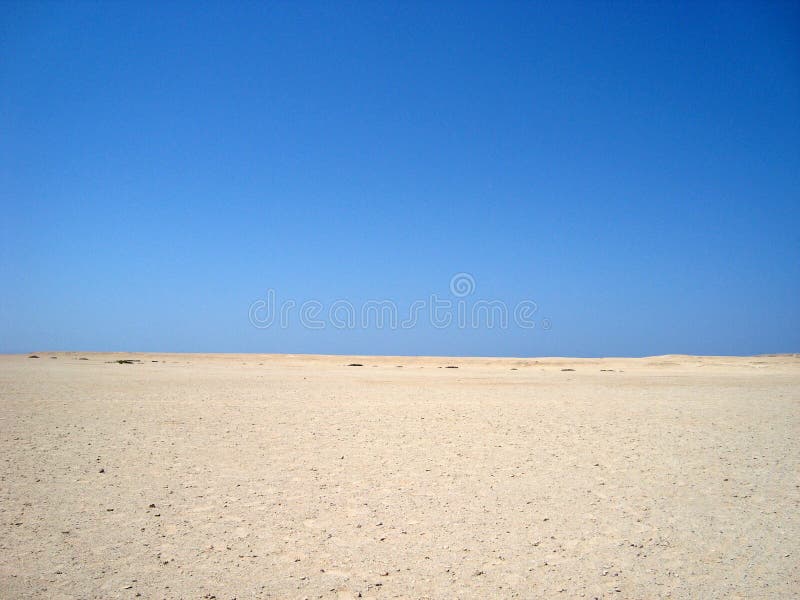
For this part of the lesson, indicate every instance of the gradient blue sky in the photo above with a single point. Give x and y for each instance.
(632, 168)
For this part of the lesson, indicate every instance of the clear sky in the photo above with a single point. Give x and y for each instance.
(633, 169)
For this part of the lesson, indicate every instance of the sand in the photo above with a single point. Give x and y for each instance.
(255, 476)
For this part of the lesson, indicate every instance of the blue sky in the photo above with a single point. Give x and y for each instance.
(633, 169)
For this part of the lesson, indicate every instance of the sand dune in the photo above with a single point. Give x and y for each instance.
(293, 476)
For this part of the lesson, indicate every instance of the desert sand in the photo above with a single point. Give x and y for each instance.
(266, 476)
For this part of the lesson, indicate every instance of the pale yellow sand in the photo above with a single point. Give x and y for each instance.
(294, 476)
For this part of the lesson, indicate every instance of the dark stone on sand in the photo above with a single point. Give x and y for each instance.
(355, 365)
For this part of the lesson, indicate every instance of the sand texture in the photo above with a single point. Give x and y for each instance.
(255, 476)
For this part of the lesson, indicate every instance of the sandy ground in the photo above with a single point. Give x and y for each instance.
(247, 476)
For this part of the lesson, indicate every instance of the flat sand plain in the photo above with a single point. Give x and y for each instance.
(266, 476)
